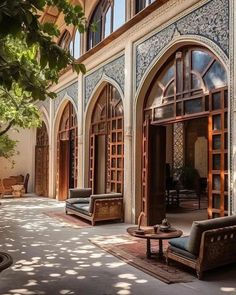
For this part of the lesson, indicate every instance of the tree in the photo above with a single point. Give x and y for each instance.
(30, 60)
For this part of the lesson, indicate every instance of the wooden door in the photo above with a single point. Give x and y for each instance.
(92, 162)
(107, 121)
(41, 170)
(63, 170)
(157, 174)
(41, 161)
(153, 174)
(115, 155)
(145, 169)
(218, 154)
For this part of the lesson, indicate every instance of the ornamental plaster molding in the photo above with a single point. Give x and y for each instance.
(45, 104)
(128, 132)
(115, 70)
(211, 20)
(70, 91)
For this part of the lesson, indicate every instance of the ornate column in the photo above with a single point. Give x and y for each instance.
(129, 198)
(80, 182)
(52, 150)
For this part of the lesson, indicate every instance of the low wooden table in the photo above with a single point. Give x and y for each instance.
(150, 235)
(17, 190)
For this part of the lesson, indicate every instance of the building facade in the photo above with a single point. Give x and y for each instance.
(159, 89)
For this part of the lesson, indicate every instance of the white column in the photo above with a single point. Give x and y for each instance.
(52, 150)
(128, 136)
(80, 131)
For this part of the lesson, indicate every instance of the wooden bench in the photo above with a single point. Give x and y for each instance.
(211, 243)
(94, 207)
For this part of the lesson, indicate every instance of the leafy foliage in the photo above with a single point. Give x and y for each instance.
(30, 60)
(7, 147)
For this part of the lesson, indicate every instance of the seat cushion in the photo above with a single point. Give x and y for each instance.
(198, 227)
(182, 252)
(180, 243)
(80, 192)
(83, 208)
(78, 200)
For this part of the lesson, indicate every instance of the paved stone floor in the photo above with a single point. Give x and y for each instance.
(51, 258)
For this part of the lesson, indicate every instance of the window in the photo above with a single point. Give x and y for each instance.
(108, 16)
(182, 87)
(64, 40)
(75, 45)
(141, 4)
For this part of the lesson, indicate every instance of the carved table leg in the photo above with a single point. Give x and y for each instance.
(160, 248)
(148, 254)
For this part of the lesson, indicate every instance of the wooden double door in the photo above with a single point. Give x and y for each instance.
(67, 152)
(154, 161)
(191, 84)
(106, 143)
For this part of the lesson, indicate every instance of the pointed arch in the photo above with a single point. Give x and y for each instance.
(65, 128)
(178, 43)
(105, 138)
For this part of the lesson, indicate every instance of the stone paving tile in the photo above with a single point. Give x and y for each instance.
(50, 258)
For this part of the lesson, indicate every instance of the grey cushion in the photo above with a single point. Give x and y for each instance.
(180, 243)
(78, 200)
(198, 227)
(182, 252)
(80, 192)
(102, 196)
(83, 208)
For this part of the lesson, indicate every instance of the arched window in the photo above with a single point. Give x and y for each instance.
(64, 40)
(182, 87)
(108, 16)
(141, 4)
(74, 46)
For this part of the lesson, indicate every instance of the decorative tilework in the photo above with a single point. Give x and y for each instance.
(114, 70)
(178, 146)
(210, 21)
(71, 91)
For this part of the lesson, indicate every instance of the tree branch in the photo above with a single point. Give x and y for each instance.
(7, 128)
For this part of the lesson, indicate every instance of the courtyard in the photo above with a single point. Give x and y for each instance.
(51, 257)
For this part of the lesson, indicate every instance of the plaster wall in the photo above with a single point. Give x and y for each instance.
(24, 159)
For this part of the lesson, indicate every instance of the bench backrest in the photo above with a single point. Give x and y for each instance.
(108, 196)
(198, 227)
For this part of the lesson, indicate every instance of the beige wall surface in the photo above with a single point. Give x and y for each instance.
(24, 159)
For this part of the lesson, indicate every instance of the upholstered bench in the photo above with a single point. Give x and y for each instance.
(211, 243)
(94, 207)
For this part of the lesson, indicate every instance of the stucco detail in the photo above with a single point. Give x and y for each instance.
(210, 21)
(114, 70)
(71, 91)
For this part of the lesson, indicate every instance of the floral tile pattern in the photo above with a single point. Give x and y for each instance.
(210, 20)
(114, 70)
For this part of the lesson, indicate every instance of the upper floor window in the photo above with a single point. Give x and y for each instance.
(141, 4)
(64, 40)
(109, 15)
(74, 47)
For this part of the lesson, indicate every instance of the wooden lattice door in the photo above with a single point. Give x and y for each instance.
(67, 152)
(218, 154)
(41, 161)
(107, 127)
(145, 169)
(193, 84)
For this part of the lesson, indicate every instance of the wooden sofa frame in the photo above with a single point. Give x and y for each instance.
(217, 248)
(102, 207)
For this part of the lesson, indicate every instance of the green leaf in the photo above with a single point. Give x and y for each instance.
(79, 68)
